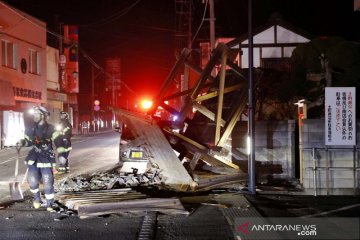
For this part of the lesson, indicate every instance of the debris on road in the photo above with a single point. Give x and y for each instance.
(161, 205)
(73, 200)
(104, 193)
(124, 200)
(109, 180)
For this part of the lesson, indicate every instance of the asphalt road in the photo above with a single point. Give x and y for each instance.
(211, 215)
(90, 153)
(93, 153)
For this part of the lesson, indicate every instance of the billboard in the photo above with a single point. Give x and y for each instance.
(69, 66)
(113, 76)
(340, 119)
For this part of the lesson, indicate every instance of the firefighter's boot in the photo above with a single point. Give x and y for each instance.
(36, 204)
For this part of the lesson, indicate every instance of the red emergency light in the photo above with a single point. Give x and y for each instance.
(146, 104)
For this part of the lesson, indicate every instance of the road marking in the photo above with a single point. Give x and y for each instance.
(11, 159)
(6, 161)
(332, 211)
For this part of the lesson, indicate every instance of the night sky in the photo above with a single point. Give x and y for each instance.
(143, 36)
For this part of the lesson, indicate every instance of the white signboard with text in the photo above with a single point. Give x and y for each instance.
(340, 119)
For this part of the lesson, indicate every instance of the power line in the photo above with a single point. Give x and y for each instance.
(201, 23)
(113, 17)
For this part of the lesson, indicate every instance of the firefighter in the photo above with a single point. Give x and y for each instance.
(65, 131)
(41, 158)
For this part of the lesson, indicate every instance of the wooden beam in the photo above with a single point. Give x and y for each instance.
(215, 93)
(221, 96)
(170, 78)
(206, 112)
(201, 82)
(203, 150)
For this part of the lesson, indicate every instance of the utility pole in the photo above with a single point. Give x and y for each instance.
(92, 92)
(212, 31)
(251, 121)
(183, 35)
(212, 25)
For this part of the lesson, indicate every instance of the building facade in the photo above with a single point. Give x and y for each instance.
(22, 69)
(29, 75)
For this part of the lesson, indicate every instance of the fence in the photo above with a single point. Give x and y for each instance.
(331, 171)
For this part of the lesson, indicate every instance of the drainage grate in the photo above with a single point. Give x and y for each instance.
(148, 227)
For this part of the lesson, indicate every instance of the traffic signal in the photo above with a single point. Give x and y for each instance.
(96, 105)
(73, 53)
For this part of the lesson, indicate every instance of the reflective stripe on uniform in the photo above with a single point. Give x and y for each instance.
(49, 196)
(27, 138)
(45, 165)
(30, 162)
(65, 130)
(55, 135)
(34, 190)
(62, 149)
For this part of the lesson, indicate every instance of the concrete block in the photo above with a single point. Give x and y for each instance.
(314, 125)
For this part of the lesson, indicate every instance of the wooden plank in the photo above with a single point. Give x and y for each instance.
(203, 150)
(74, 204)
(213, 182)
(164, 205)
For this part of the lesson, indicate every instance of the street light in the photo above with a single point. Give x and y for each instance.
(302, 114)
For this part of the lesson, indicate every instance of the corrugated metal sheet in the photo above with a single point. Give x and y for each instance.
(159, 149)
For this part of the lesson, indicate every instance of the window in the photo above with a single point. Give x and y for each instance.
(34, 62)
(8, 54)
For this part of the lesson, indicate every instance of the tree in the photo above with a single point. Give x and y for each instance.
(324, 61)
(273, 98)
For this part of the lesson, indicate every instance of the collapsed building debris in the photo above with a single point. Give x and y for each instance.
(161, 205)
(103, 193)
(109, 180)
(172, 149)
(125, 200)
(210, 108)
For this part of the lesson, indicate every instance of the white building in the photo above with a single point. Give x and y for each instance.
(273, 44)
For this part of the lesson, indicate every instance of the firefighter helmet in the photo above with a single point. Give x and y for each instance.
(64, 115)
(42, 110)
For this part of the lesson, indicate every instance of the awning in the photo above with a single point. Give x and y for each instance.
(6, 93)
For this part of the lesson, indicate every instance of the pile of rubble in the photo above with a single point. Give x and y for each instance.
(110, 192)
(109, 180)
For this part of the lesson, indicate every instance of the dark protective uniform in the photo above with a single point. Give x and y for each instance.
(64, 145)
(41, 160)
